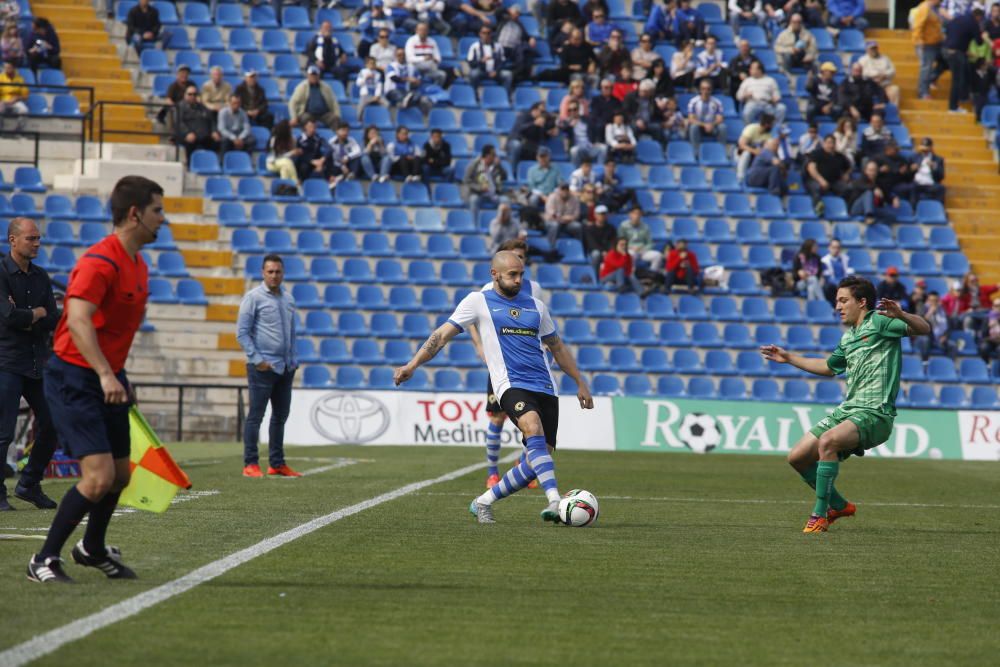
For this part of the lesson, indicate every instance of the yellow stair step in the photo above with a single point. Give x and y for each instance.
(107, 88)
(222, 312)
(207, 258)
(227, 341)
(237, 368)
(221, 286)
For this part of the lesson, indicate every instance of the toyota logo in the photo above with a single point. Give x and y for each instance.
(349, 418)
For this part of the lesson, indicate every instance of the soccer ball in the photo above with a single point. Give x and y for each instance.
(699, 432)
(578, 508)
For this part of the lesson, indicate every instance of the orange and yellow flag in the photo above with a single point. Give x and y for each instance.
(155, 476)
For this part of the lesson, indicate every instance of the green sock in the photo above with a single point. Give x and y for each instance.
(837, 501)
(826, 472)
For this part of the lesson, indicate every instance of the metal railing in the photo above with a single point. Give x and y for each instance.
(86, 119)
(180, 388)
(98, 111)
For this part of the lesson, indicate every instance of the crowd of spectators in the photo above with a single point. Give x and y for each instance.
(32, 45)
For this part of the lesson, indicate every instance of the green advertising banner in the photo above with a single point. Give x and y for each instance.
(753, 427)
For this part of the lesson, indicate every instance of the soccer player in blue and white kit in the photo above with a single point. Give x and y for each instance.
(513, 327)
(494, 412)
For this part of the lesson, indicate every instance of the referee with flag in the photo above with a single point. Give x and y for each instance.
(85, 383)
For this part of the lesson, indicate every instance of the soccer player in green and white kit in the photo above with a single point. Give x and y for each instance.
(871, 353)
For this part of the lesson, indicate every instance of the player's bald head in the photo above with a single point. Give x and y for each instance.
(506, 260)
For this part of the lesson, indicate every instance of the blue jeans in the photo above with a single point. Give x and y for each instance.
(617, 280)
(141, 44)
(267, 387)
(928, 55)
(12, 388)
(752, 111)
(696, 132)
(504, 78)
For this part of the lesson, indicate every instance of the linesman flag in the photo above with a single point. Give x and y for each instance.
(155, 475)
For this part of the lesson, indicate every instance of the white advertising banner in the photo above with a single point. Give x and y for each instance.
(324, 417)
(980, 435)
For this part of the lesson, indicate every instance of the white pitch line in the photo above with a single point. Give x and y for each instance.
(44, 644)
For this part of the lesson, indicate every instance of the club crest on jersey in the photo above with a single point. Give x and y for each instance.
(515, 313)
(519, 406)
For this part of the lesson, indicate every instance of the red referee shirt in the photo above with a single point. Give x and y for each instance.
(106, 276)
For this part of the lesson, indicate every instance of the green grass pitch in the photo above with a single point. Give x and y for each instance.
(695, 560)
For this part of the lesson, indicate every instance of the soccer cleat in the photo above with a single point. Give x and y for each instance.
(4, 505)
(816, 524)
(551, 513)
(483, 513)
(47, 571)
(533, 484)
(252, 470)
(111, 564)
(34, 495)
(283, 470)
(492, 481)
(849, 510)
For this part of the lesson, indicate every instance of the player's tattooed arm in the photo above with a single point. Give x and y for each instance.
(432, 345)
(427, 351)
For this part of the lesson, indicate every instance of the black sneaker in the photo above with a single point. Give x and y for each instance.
(110, 564)
(47, 571)
(34, 495)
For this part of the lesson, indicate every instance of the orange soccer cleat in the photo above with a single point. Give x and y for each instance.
(283, 470)
(533, 484)
(849, 510)
(492, 481)
(816, 524)
(252, 470)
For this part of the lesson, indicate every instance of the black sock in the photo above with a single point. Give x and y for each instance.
(97, 524)
(73, 507)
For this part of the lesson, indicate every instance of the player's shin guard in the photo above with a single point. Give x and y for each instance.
(97, 524)
(493, 432)
(837, 501)
(826, 473)
(73, 507)
(543, 465)
(513, 481)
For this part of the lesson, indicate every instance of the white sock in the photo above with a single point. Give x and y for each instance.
(486, 498)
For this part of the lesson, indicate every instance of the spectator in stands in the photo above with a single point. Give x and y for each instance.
(776, 16)
(374, 151)
(611, 193)
(620, 139)
(603, 107)
(624, 83)
(403, 84)
(234, 128)
(175, 93)
(195, 128)
(807, 271)
(324, 51)
(343, 160)
(531, 129)
(282, 152)
(879, 68)
(705, 116)
(423, 53)
(745, 12)
(893, 168)
(563, 209)
(845, 137)
(310, 157)
(860, 97)
(577, 132)
(661, 21)
(927, 169)
(384, 51)
(992, 26)
(977, 300)
(43, 45)
(487, 61)
(13, 97)
(617, 272)
(767, 170)
(795, 46)
(253, 100)
(436, 158)
(739, 66)
(518, 45)
(981, 83)
(599, 237)
(542, 179)
(822, 91)
(928, 37)
(640, 240)
(613, 55)
(313, 100)
(961, 31)
(10, 10)
(588, 7)
(688, 23)
(937, 340)
(599, 28)
(711, 64)
(954, 304)
(583, 176)
(142, 27)
(808, 142)
(827, 173)
(430, 11)
(890, 287)
(474, 14)
(505, 227)
(683, 65)
(402, 158)
(215, 92)
(675, 124)
(836, 266)
(576, 60)
(375, 22)
(812, 12)
(874, 138)
(751, 142)
(484, 181)
(918, 297)
(866, 199)
(576, 94)
(681, 266)
(847, 14)
(11, 45)
(369, 85)
(660, 75)
(560, 11)
(643, 57)
(646, 114)
(760, 94)
(989, 334)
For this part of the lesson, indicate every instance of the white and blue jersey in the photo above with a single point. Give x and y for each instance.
(512, 331)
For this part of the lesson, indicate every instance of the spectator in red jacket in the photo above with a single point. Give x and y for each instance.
(953, 305)
(976, 301)
(682, 266)
(617, 272)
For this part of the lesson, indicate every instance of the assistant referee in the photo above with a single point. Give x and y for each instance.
(85, 382)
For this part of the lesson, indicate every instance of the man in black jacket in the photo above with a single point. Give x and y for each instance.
(253, 100)
(599, 237)
(28, 315)
(142, 27)
(603, 108)
(314, 149)
(859, 96)
(531, 129)
(324, 51)
(562, 10)
(195, 128)
(436, 161)
(928, 172)
(961, 31)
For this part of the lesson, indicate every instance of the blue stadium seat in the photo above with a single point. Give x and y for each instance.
(205, 39)
(912, 369)
(940, 369)
(984, 398)
(317, 191)
(448, 380)
(732, 389)
(800, 338)
(415, 326)
(456, 274)
(953, 397)
(61, 259)
(924, 263)
(751, 364)
(382, 194)
(578, 332)
(344, 244)
(265, 215)
(366, 352)
(648, 151)
(92, 232)
(690, 308)
(352, 325)
(383, 325)
(737, 336)
(426, 220)
(435, 299)
(358, 271)
(627, 306)
(314, 377)
(921, 396)
(622, 359)
(911, 237)
(797, 391)
(349, 192)
(24, 205)
(591, 359)
(638, 385)
(974, 371)
(171, 265)
(306, 296)
(597, 305)
(249, 189)
(349, 377)
(441, 246)
(398, 352)
(766, 390)
(943, 239)
(325, 269)
(718, 362)
(376, 244)
(701, 388)
(829, 393)
(737, 205)
(28, 179)
(851, 41)
(58, 232)
(761, 258)
(705, 204)
(609, 332)
(671, 387)
(954, 264)
(717, 231)
(756, 36)
(768, 334)
(705, 334)
(687, 362)
(606, 385)
(661, 177)
(463, 96)
(190, 292)
(363, 217)
(788, 310)
(835, 208)
(681, 153)
(564, 304)
(744, 283)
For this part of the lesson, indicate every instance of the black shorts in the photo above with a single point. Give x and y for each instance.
(492, 402)
(84, 423)
(516, 402)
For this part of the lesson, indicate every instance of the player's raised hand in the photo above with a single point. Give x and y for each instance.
(774, 353)
(890, 308)
(401, 375)
(583, 394)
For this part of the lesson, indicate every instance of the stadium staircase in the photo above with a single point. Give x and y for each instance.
(972, 180)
